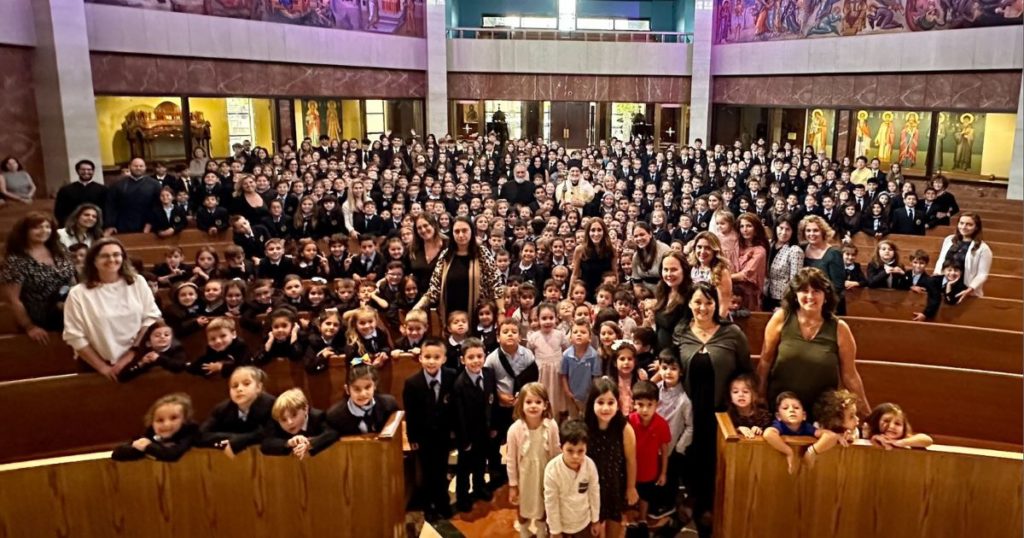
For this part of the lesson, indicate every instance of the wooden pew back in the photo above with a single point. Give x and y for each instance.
(981, 312)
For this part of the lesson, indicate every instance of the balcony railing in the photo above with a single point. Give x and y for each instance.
(575, 35)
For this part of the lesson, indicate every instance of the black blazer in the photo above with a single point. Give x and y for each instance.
(206, 219)
(253, 245)
(279, 229)
(427, 420)
(314, 362)
(878, 278)
(368, 224)
(472, 408)
(159, 221)
(224, 424)
(932, 288)
(867, 225)
(163, 450)
(345, 423)
(930, 214)
(902, 224)
(320, 434)
(236, 354)
(173, 360)
(267, 269)
(376, 265)
(856, 275)
(282, 350)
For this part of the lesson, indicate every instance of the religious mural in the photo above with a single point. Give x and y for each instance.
(893, 136)
(400, 17)
(740, 21)
(321, 117)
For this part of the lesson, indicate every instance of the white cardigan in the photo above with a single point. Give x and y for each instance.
(976, 266)
(109, 316)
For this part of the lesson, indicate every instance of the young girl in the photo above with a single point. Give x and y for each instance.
(612, 446)
(158, 348)
(746, 410)
(238, 267)
(365, 411)
(578, 293)
(876, 224)
(566, 311)
(625, 374)
(259, 304)
(836, 411)
(238, 422)
(888, 427)
(548, 343)
(291, 293)
(309, 263)
(410, 294)
(324, 343)
(207, 265)
(234, 298)
(316, 299)
(363, 337)
(170, 431)
(213, 301)
(884, 270)
(486, 313)
(532, 442)
(607, 333)
(183, 312)
(283, 340)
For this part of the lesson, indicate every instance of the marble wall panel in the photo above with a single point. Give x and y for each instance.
(547, 87)
(20, 134)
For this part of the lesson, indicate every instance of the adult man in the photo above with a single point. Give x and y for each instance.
(83, 191)
(519, 191)
(575, 190)
(131, 199)
(862, 173)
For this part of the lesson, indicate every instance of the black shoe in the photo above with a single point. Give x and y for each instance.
(658, 512)
(464, 506)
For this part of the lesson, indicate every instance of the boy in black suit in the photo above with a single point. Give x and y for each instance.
(275, 265)
(473, 398)
(368, 221)
(908, 220)
(248, 236)
(426, 397)
(921, 282)
(368, 263)
(297, 429)
(212, 218)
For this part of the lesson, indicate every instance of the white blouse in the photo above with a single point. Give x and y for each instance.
(109, 316)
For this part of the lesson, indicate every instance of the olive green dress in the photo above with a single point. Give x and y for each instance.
(806, 367)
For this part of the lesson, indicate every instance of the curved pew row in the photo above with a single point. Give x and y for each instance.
(933, 245)
(976, 312)
(941, 492)
(207, 495)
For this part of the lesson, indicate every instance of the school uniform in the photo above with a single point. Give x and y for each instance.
(170, 449)
(207, 218)
(874, 225)
(347, 418)
(535, 273)
(907, 221)
(362, 266)
(950, 292)
(244, 273)
(182, 320)
(932, 289)
(702, 221)
(929, 213)
(315, 343)
(378, 342)
(252, 243)
(236, 354)
(855, 274)
(275, 271)
(474, 397)
(167, 218)
(453, 354)
(278, 227)
(317, 430)
(684, 235)
(251, 312)
(489, 336)
(309, 270)
(330, 223)
(878, 278)
(172, 359)
(368, 224)
(282, 349)
(405, 344)
(428, 426)
(227, 423)
(304, 228)
(162, 270)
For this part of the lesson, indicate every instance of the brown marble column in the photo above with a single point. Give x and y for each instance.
(285, 122)
(842, 143)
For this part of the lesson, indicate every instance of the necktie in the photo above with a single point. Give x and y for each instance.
(480, 382)
(433, 387)
(910, 211)
(366, 424)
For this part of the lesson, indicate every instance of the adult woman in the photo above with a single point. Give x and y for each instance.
(818, 253)
(670, 298)
(15, 183)
(944, 201)
(247, 202)
(35, 275)
(353, 202)
(807, 349)
(749, 274)
(708, 264)
(967, 249)
(712, 354)
(84, 225)
(109, 310)
(465, 275)
(423, 253)
(595, 257)
(785, 259)
(197, 166)
(647, 259)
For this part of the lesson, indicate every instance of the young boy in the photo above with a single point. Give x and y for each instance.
(298, 429)
(580, 365)
(426, 396)
(413, 331)
(552, 291)
(643, 339)
(514, 366)
(854, 274)
(921, 282)
(275, 265)
(791, 420)
(653, 448)
(224, 350)
(604, 296)
(624, 307)
(952, 285)
(474, 399)
(572, 494)
(368, 264)
(458, 330)
(212, 218)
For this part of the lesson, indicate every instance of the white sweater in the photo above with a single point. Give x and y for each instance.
(571, 498)
(109, 316)
(976, 266)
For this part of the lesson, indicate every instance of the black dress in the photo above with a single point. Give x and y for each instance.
(702, 451)
(421, 269)
(665, 322)
(456, 285)
(605, 448)
(592, 271)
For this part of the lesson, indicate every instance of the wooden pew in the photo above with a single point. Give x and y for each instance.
(941, 492)
(1000, 265)
(8, 325)
(1004, 286)
(23, 358)
(190, 236)
(354, 488)
(933, 245)
(982, 312)
(152, 255)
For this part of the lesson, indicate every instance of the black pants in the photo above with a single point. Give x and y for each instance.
(501, 420)
(433, 490)
(472, 464)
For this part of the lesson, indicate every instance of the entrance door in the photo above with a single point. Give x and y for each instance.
(570, 123)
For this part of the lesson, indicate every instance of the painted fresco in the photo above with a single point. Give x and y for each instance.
(400, 17)
(321, 117)
(740, 21)
(894, 136)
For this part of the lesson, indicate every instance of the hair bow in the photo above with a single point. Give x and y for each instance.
(619, 343)
(365, 359)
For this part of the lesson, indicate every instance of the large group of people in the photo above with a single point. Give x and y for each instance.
(587, 299)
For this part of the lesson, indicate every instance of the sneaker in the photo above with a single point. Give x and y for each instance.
(658, 512)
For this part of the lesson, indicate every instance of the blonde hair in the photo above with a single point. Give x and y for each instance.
(826, 231)
(290, 401)
(177, 398)
(221, 323)
(417, 315)
(352, 336)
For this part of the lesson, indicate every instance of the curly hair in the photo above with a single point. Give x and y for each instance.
(719, 263)
(815, 279)
(17, 239)
(831, 408)
(827, 232)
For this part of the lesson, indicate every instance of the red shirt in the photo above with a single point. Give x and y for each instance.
(649, 440)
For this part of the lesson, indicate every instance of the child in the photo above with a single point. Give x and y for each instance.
(612, 446)
(653, 448)
(158, 348)
(625, 374)
(836, 411)
(486, 329)
(888, 427)
(338, 262)
(282, 338)
(580, 366)
(921, 282)
(323, 344)
(547, 345)
(172, 270)
(310, 264)
(275, 265)
(854, 275)
(345, 293)
(234, 298)
(675, 407)
(368, 296)
(604, 296)
(183, 312)
(953, 287)
(291, 293)
(474, 397)
(532, 443)
(212, 218)
(428, 426)
(298, 429)
(170, 431)
(791, 419)
(224, 350)
(607, 333)
(315, 299)
(566, 314)
(238, 266)
(368, 264)
(572, 490)
(213, 301)
(624, 307)
(390, 290)
(365, 335)
(527, 298)
(514, 366)
(747, 412)
(458, 331)
(260, 303)
(413, 331)
(410, 294)
(884, 270)
(643, 340)
(365, 411)
(239, 421)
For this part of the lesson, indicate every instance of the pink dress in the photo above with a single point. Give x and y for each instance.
(548, 351)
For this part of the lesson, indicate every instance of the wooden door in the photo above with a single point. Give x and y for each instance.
(570, 123)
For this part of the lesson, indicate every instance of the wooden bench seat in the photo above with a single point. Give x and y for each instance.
(23, 358)
(933, 244)
(153, 255)
(186, 237)
(1000, 265)
(981, 312)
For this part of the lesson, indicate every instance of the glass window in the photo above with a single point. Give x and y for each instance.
(595, 24)
(376, 117)
(622, 118)
(974, 145)
(220, 123)
(545, 23)
(894, 137)
(566, 15)
(147, 127)
(633, 25)
(513, 112)
(510, 21)
(546, 129)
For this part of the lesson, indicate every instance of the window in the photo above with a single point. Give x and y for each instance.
(376, 118)
(595, 24)
(631, 25)
(546, 129)
(511, 21)
(513, 111)
(567, 15)
(622, 118)
(541, 23)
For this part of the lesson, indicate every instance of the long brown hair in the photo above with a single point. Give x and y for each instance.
(663, 294)
(760, 238)
(91, 275)
(597, 250)
(17, 239)
(977, 239)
